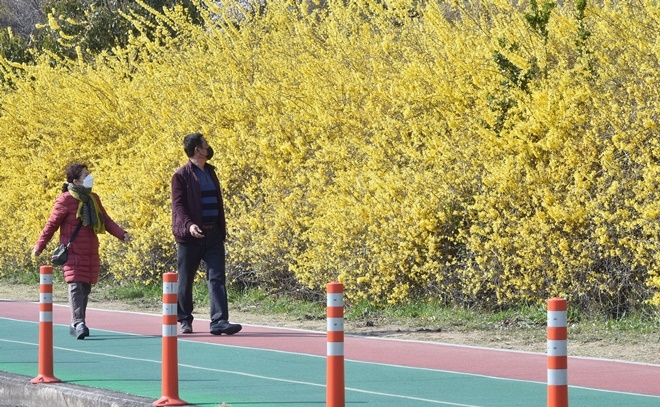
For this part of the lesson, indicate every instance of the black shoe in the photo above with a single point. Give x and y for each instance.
(186, 327)
(79, 331)
(224, 327)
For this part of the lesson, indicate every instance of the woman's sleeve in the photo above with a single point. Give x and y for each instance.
(56, 218)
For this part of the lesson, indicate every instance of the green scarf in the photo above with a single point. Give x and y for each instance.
(89, 211)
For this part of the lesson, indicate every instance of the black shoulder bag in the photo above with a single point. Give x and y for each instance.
(60, 255)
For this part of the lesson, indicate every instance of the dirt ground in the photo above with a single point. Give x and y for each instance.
(594, 342)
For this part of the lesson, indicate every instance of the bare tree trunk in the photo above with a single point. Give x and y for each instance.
(21, 15)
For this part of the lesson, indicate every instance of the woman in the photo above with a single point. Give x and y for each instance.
(77, 204)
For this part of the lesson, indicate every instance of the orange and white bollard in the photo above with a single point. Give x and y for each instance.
(557, 353)
(45, 374)
(335, 390)
(170, 362)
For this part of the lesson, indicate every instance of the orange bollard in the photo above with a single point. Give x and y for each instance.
(557, 354)
(335, 390)
(45, 374)
(170, 362)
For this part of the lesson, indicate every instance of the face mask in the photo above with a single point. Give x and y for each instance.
(88, 182)
(209, 153)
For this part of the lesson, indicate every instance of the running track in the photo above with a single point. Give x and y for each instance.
(609, 375)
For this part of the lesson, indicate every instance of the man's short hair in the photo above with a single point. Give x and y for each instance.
(191, 141)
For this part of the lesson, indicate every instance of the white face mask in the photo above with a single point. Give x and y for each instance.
(88, 182)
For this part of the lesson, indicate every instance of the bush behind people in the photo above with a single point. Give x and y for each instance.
(475, 153)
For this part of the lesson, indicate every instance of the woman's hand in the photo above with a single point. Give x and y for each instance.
(127, 237)
(35, 252)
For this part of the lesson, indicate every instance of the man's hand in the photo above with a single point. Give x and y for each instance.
(196, 231)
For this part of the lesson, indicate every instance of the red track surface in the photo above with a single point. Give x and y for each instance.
(592, 373)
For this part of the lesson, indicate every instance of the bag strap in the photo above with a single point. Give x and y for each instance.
(75, 233)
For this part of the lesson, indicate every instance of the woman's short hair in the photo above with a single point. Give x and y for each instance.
(73, 171)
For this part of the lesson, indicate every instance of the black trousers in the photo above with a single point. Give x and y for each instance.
(189, 257)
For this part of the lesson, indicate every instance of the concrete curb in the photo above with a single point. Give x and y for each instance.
(17, 389)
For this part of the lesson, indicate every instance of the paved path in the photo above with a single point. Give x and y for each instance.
(412, 372)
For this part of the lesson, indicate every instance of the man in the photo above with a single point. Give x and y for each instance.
(198, 224)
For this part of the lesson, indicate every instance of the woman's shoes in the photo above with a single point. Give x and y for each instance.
(186, 327)
(79, 331)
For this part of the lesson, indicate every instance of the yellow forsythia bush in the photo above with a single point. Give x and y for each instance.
(472, 152)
